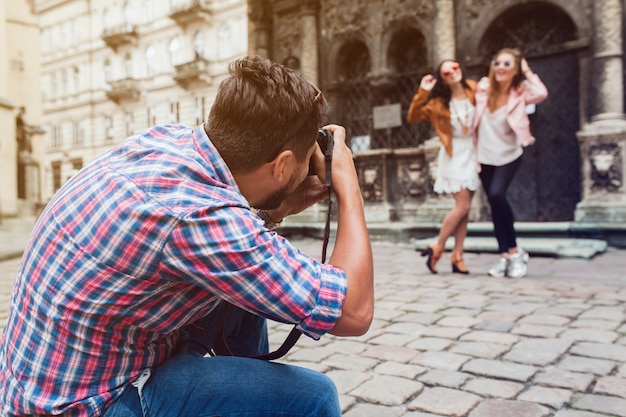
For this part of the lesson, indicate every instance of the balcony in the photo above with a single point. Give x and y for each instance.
(126, 89)
(193, 73)
(190, 11)
(115, 37)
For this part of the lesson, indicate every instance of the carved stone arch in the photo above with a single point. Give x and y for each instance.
(406, 49)
(351, 59)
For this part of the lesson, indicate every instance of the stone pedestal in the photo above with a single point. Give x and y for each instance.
(603, 158)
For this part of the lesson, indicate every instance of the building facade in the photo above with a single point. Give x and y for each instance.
(369, 56)
(111, 68)
(21, 146)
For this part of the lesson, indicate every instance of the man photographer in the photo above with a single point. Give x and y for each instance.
(158, 252)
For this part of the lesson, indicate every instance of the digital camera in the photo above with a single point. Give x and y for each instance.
(326, 141)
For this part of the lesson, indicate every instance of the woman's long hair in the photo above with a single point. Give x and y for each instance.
(518, 78)
(441, 89)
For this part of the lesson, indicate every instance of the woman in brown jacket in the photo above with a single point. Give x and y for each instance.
(446, 99)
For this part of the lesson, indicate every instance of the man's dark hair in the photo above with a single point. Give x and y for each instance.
(261, 109)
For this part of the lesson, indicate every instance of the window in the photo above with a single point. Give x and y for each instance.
(128, 119)
(76, 79)
(78, 132)
(127, 12)
(224, 42)
(55, 136)
(128, 65)
(56, 174)
(199, 109)
(106, 20)
(198, 44)
(64, 82)
(108, 127)
(108, 72)
(151, 116)
(174, 112)
(149, 7)
(173, 50)
(150, 61)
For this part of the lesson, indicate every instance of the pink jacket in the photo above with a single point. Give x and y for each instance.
(534, 91)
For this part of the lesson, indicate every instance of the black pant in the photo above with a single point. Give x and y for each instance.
(496, 181)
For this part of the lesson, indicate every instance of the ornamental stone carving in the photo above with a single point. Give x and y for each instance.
(606, 167)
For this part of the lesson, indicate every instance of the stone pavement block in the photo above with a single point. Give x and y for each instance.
(449, 379)
(430, 343)
(500, 369)
(390, 353)
(586, 365)
(421, 318)
(590, 335)
(552, 397)
(346, 402)
(595, 324)
(458, 321)
(351, 362)
(514, 307)
(386, 314)
(399, 369)
(309, 354)
(508, 316)
(611, 385)
(602, 404)
(545, 319)
(493, 388)
(341, 345)
(562, 310)
(600, 350)
(444, 401)
(494, 326)
(554, 377)
(445, 332)
(490, 337)
(508, 408)
(622, 371)
(406, 328)
(464, 311)
(346, 381)
(537, 351)
(387, 390)
(372, 410)
(534, 330)
(575, 413)
(616, 313)
(441, 360)
(479, 349)
(393, 339)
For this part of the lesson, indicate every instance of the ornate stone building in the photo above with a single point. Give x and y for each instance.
(369, 56)
(20, 109)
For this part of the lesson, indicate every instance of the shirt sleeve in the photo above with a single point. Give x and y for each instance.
(228, 252)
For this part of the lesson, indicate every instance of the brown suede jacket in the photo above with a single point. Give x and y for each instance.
(437, 113)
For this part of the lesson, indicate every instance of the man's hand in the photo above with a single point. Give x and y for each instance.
(312, 190)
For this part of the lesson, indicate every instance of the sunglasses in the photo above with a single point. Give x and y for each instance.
(451, 70)
(503, 64)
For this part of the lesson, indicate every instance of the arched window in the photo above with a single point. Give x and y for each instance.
(150, 61)
(173, 49)
(198, 44)
(76, 79)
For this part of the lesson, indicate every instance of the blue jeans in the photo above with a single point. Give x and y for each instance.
(191, 384)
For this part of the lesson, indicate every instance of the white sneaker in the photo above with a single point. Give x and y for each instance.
(499, 270)
(518, 264)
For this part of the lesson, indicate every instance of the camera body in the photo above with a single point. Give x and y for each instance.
(326, 141)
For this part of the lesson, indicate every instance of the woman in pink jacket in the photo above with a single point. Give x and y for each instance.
(501, 130)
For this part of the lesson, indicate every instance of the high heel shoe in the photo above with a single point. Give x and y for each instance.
(458, 266)
(434, 253)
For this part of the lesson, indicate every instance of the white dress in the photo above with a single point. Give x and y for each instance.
(460, 170)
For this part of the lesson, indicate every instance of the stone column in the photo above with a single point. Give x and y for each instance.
(444, 31)
(309, 58)
(260, 28)
(603, 141)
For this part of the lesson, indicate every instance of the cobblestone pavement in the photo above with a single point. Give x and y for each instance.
(550, 344)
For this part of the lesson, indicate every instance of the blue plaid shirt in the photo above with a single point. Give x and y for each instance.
(141, 242)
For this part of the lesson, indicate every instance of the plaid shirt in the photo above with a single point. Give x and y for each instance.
(141, 242)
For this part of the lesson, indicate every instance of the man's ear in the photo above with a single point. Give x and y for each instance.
(281, 164)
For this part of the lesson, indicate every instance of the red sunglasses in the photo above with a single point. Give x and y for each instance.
(453, 68)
